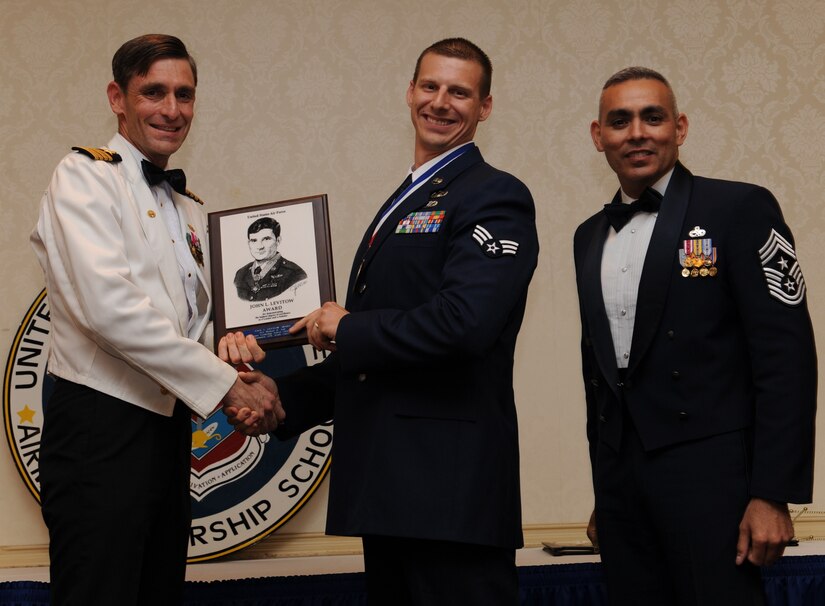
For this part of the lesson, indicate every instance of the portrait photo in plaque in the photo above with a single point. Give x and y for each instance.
(271, 265)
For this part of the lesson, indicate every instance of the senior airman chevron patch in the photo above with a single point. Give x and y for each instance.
(491, 246)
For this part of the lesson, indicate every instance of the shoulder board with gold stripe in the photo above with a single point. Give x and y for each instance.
(194, 196)
(99, 153)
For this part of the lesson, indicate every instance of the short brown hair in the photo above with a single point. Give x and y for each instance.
(136, 56)
(461, 48)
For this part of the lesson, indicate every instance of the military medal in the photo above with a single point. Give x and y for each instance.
(697, 256)
(421, 222)
(414, 184)
(194, 245)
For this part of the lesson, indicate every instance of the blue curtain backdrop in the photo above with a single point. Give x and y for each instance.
(793, 581)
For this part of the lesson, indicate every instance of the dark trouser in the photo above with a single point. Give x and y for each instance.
(115, 493)
(419, 572)
(668, 522)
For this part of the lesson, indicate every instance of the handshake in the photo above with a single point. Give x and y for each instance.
(252, 404)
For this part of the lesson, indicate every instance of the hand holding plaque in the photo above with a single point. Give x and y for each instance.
(321, 325)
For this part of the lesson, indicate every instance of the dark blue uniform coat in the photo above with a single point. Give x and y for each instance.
(708, 355)
(421, 387)
(720, 391)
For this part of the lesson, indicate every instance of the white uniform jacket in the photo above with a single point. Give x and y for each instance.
(118, 306)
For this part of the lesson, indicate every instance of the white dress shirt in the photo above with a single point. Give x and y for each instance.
(169, 212)
(623, 259)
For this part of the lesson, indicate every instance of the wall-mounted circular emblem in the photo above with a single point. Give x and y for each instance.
(243, 488)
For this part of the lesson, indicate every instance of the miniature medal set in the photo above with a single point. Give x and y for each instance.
(698, 255)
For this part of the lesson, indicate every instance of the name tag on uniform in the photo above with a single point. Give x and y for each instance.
(421, 222)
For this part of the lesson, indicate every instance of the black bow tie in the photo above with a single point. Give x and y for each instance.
(619, 214)
(154, 175)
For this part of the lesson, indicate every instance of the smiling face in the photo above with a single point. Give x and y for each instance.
(638, 132)
(155, 111)
(445, 104)
(263, 245)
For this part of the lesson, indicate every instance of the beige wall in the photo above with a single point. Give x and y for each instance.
(303, 97)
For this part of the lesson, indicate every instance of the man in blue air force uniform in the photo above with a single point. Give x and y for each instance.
(426, 461)
(699, 365)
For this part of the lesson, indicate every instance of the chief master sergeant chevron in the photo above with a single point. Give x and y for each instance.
(426, 460)
(123, 248)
